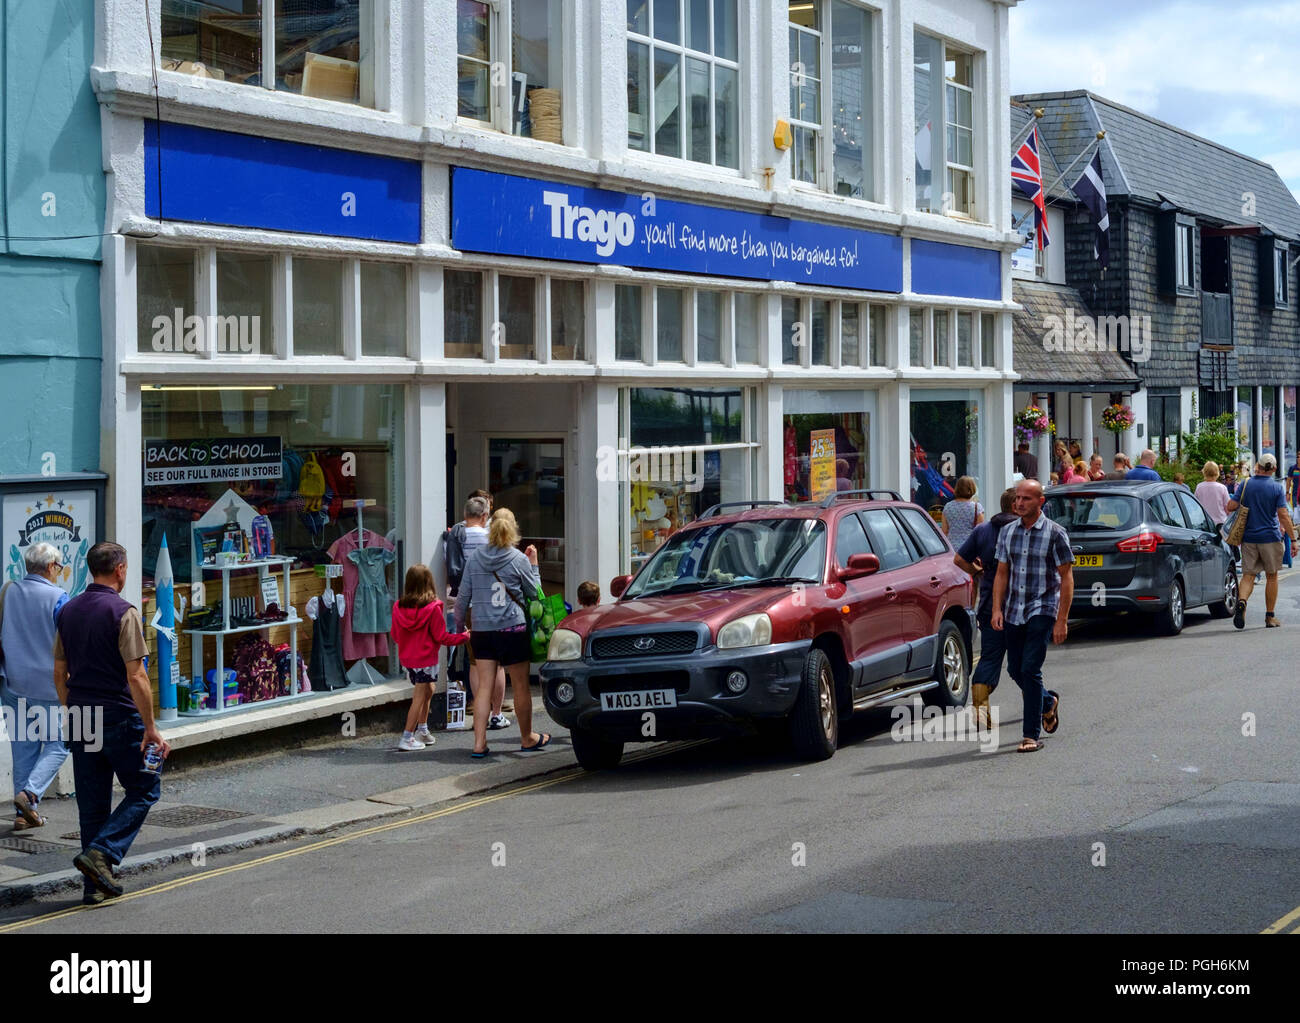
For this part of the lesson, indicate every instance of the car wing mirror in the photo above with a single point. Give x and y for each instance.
(618, 585)
(859, 565)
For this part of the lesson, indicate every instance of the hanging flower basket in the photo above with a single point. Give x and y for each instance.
(1117, 418)
(1029, 423)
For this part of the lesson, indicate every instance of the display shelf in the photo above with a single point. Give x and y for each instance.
(264, 567)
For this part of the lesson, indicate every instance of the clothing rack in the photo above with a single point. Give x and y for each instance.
(361, 673)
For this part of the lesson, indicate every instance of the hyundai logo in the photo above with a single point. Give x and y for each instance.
(644, 643)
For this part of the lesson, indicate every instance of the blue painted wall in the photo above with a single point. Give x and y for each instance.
(51, 220)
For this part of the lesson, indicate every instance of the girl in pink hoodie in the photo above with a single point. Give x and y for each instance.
(419, 633)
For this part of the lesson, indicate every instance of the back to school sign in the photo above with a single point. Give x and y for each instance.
(229, 460)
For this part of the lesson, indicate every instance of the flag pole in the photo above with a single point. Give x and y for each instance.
(1024, 132)
(1095, 144)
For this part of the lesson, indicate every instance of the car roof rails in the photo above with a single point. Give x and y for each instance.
(716, 509)
(890, 495)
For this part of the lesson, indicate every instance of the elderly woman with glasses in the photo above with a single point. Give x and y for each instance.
(29, 608)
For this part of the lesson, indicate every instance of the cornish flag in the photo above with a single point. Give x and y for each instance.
(1091, 191)
(1027, 174)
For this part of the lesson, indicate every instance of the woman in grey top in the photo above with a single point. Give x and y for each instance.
(499, 579)
(963, 514)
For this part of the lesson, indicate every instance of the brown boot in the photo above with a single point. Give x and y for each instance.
(980, 698)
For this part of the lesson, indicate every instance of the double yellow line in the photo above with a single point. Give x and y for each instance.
(473, 804)
(1289, 924)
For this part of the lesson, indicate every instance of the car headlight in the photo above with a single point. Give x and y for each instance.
(566, 645)
(752, 630)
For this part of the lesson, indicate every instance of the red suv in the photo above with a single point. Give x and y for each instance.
(798, 612)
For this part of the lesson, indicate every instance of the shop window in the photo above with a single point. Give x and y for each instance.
(690, 107)
(322, 49)
(628, 323)
(825, 444)
(750, 311)
(988, 341)
(244, 317)
(213, 457)
(877, 318)
(850, 339)
(944, 127)
(462, 314)
(942, 340)
(474, 41)
(668, 324)
(383, 309)
(517, 301)
(821, 316)
(317, 306)
(165, 282)
(568, 319)
(525, 36)
(792, 332)
(708, 326)
(690, 448)
(916, 337)
(1246, 419)
(965, 353)
(945, 445)
(831, 96)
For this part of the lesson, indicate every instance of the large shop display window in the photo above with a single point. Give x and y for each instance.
(527, 476)
(826, 437)
(945, 445)
(689, 449)
(255, 491)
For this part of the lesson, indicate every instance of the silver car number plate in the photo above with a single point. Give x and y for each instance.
(643, 699)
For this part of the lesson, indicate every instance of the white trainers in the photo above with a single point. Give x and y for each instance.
(498, 721)
(410, 745)
(425, 736)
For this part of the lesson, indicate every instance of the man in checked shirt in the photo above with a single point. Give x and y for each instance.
(1032, 594)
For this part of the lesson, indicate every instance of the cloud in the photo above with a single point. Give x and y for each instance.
(1228, 73)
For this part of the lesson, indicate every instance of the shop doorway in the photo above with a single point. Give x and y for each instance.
(526, 475)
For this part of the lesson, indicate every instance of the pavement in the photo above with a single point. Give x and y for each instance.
(231, 805)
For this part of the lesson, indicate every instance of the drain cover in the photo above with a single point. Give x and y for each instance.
(30, 845)
(189, 816)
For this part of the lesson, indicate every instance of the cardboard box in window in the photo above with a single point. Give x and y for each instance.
(195, 68)
(330, 78)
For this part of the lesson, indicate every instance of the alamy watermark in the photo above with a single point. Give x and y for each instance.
(225, 335)
(916, 722)
(1071, 333)
(650, 465)
(39, 722)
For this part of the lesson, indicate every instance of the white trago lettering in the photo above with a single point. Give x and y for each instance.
(606, 228)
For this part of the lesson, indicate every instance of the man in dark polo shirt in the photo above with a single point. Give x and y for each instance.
(99, 672)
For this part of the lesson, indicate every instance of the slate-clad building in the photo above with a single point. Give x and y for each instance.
(1203, 242)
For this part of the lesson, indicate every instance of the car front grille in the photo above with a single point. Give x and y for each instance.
(676, 680)
(604, 648)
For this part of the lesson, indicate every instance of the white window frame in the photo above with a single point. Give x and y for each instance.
(1281, 291)
(1183, 256)
(684, 53)
(939, 121)
(798, 74)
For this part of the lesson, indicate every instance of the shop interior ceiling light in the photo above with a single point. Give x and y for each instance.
(209, 387)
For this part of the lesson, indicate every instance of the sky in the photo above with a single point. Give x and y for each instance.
(1229, 72)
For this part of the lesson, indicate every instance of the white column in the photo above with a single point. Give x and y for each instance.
(426, 486)
(895, 469)
(1044, 445)
(770, 431)
(1089, 429)
(999, 408)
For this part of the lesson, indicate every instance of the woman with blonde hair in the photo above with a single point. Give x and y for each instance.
(1212, 495)
(497, 586)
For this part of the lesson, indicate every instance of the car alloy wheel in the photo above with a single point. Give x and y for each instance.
(1230, 591)
(954, 665)
(1176, 607)
(826, 701)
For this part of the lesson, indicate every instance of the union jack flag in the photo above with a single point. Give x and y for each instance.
(1027, 175)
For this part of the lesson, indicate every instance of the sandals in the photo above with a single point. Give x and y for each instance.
(541, 743)
(476, 755)
(1052, 718)
(1029, 745)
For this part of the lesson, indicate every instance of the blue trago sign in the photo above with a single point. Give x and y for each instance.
(509, 215)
